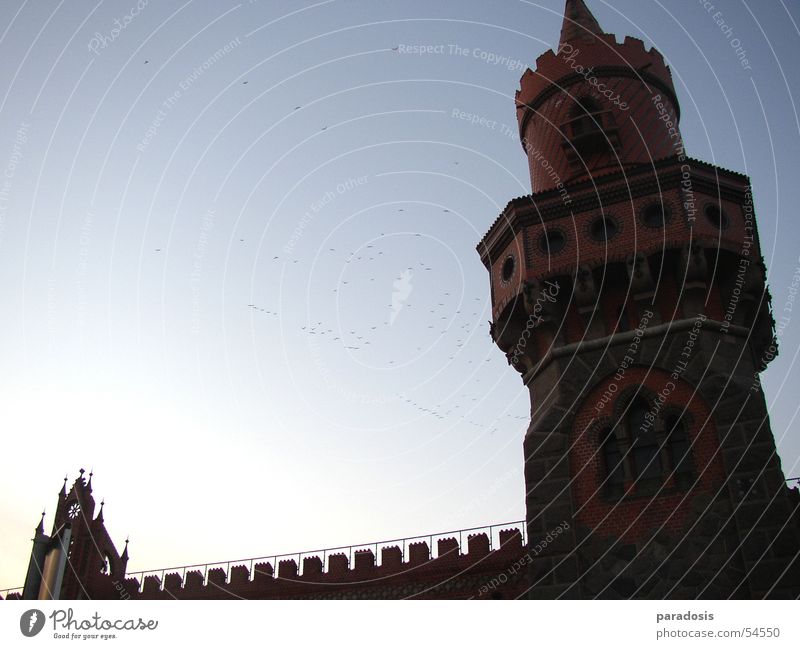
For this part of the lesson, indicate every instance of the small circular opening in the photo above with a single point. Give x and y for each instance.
(552, 241)
(507, 272)
(716, 216)
(603, 229)
(655, 215)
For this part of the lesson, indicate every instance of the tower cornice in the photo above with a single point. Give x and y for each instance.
(600, 192)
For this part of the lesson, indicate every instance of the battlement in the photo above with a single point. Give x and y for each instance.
(605, 57)
(11, 593)
(428, 566)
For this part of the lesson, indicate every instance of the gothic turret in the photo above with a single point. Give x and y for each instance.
(579, 111)
(91, 550)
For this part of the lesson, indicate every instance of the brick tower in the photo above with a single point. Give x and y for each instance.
(629, 292)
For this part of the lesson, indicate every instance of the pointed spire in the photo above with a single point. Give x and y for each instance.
(40, 526)
(63, 493)
(89, 484)
(124, 556)
(579, 23)
(100, 518)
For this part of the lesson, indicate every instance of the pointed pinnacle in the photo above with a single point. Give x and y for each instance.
(40, 526)
(579, 23)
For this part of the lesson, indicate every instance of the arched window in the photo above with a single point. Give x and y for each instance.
(679, 450)
(644, 450)
(644, 444)
(107, 564)
(585, 117)
(588, 130)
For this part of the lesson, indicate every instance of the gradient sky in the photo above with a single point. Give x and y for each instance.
(156, 183)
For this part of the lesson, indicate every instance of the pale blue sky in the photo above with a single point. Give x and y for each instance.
(151, 183)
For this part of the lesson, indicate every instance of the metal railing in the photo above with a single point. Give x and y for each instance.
(491, 531)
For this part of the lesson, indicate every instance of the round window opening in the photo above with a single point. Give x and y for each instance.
(552, 241)
(507, 272)
(716, 216)
(603, 229)
(655, 215)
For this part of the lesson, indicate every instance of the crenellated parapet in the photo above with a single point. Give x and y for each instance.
(605, 56)
(413, 570)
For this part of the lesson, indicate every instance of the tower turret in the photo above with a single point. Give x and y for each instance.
(628, 290)
(578, 112)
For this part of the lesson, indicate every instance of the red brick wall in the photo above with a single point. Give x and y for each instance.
(450, 575)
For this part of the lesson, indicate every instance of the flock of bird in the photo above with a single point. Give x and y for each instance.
(394, 333)
(442, 318)
(450, 324)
